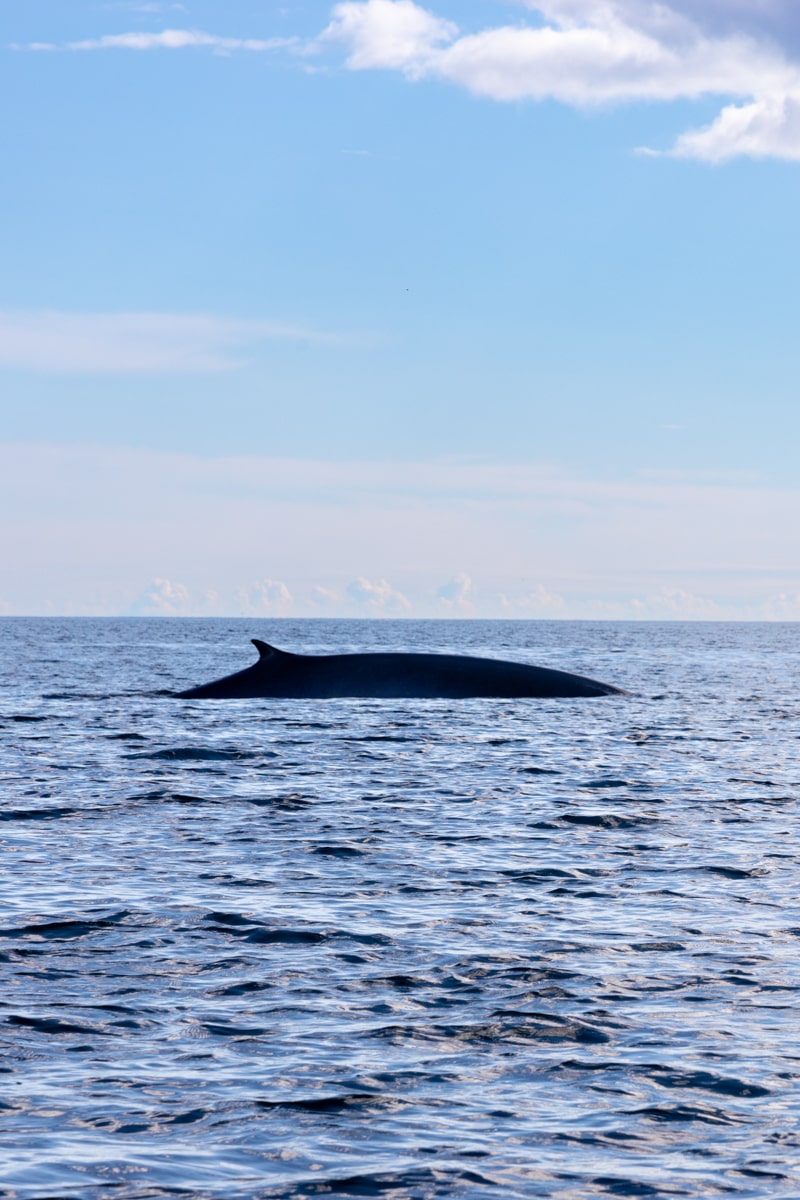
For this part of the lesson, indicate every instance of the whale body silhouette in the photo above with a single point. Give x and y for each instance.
(279, 674)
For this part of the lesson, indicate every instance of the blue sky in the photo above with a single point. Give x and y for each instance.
(482, 308)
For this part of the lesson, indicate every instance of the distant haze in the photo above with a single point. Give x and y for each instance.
(184, 535)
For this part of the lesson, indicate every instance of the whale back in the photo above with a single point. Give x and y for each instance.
(279, 674)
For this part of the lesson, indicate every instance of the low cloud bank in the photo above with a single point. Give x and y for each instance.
(370, 599)
(80, 533)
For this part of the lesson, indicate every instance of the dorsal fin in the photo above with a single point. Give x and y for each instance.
(264, 649)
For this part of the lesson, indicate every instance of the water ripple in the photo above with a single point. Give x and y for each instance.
(415, 949)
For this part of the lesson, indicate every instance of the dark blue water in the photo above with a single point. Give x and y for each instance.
(399, 948)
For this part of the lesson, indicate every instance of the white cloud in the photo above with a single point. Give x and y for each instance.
(540, 600)
(457, 594)
(683, 605)
(590, 52)
(135, 342)
(377, 598)
(162, 598)
(268, 598)
(393, 34)
(168, 39)
(537, 601)
(767, 128)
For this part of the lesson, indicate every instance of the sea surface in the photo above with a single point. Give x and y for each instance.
(402, 949)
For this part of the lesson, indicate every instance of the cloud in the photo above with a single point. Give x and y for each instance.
(378, 598)
(680, 604)
(162, 598)
(391, 34)
(778, 20)
(537, 601)
(268, 598)
(540, 600)
(768, 128)
(168, 39)
(590, 52)
(135, 342)
(456, 594)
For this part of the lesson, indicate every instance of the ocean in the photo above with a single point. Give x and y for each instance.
(403, 949)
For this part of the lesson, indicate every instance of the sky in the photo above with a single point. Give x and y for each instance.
(379, 308)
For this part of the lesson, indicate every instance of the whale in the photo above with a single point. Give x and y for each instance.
(282, 675)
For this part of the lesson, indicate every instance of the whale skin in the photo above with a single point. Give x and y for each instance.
(279, 674)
